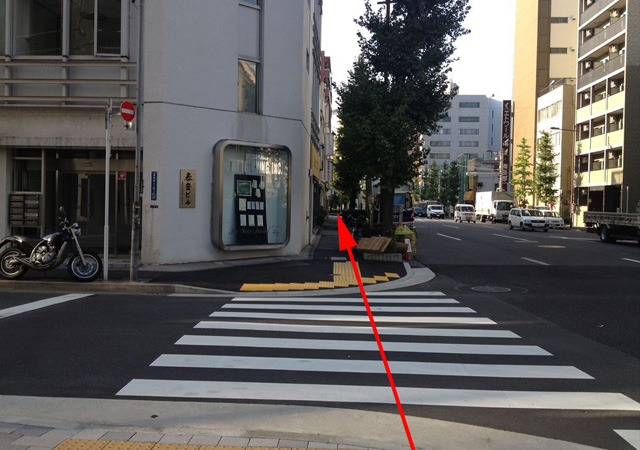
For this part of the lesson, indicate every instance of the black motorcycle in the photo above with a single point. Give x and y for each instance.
(48, 253)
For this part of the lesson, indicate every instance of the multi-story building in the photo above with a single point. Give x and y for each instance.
(471, 127)
(545, 53)
(231, 132)
(556, 115)
(607, 165)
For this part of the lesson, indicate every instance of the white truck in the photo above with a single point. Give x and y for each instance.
(493, 206)
(613, 226)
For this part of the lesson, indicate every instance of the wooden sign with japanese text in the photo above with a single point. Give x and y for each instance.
(187, 188)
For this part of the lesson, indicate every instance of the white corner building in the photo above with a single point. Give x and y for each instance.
(231, 124)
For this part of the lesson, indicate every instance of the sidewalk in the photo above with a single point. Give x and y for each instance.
(319, 268)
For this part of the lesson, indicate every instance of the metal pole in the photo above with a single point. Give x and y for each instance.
(136, 215)
(108, 119)
(627, 208)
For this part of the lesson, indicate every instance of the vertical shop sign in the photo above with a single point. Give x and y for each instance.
(505, 151)
(187, 188)
(154, 186)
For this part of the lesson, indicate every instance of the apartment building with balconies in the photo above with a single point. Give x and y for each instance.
(607, 164)
(231, 127)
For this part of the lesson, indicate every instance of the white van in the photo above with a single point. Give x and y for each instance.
(464, 212)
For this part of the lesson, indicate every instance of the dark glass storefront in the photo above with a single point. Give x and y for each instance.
(75, 179)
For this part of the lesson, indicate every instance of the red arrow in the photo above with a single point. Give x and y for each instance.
(346, 241)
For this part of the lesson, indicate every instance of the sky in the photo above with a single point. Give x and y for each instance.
(485, 65)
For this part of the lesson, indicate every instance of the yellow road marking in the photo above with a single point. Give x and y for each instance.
(85, 444)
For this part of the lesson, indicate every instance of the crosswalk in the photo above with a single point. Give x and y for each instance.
(321, 350)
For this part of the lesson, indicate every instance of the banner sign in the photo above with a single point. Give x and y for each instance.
(505, 151)
(187, 188)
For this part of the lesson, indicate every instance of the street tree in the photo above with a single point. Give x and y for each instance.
(445, 179)
(522, 180)
(409, 53)
(453, 194)
(431, 178)
(546, 172)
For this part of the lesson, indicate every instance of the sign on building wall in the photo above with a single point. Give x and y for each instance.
(505, 151)
(187, 188)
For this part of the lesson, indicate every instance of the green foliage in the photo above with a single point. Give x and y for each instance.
(522, 180)
(397, 91)
(431, 182)
(453, 192)
(445, 177)
(546, 171)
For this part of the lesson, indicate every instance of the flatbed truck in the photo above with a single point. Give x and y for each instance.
(613, 226)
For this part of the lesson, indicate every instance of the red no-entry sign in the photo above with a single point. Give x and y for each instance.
(127, 111)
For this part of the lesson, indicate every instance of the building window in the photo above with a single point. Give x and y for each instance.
(469, 119)
(440, 143)
(27, 171)
(469, 104)
(469, 131)
(252, 193)
(38, 28)
(445, 119)
(559, 20)
(251, 2)
(443, 131)
(247, 86)
(559, 50)
(468, 144)
(440, 156)
(3, 12)
(549, 111)
(95, 32)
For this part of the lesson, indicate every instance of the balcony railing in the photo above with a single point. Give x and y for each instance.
(594, 10)
(602, 37)
(60, 83)
(602, 71)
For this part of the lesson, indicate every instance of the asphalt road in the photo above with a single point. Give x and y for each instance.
(564, 307)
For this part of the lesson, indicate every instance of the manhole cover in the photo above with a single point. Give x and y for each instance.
(490, 289)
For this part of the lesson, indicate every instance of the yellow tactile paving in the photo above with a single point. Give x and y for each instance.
(81, 444)
(343, 276)
(175, 447)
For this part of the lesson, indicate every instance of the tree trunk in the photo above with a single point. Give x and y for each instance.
(386, 206)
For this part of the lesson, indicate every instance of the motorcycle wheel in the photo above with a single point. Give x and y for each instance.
(90, 272)
(9, 268)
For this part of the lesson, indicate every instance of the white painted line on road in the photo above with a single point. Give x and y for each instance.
(448, 237)
(359, 300)
(514, 238)
(354, 318)
(379, 394)
(371, 366)
(535, 261)
(368, 346)
(340, 308)
(451, 226)
(631, 260)
(346, 329)
(8, 312)
(405, 293)
(631, 436)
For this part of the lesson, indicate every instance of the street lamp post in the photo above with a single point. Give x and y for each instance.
(571, 170)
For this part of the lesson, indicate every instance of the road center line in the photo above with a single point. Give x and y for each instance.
(511, 237)
(449, 237)
(537, 262)
(8, 312)
(631, 260)
(451, 226)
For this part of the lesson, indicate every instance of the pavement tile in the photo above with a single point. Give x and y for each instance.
(8, 427)
(261, 442)
(82, 444)
(203, 439)
(323, 445)
(175, 447)
(29, 430)
(234, 441)
(125, 445)
(89, 434)
(210, 447)
(8, 438)
(350, 447)
(292, 444)
(117, 436)
(145, 436)
(175, 439)
(12, 447)
(40, 448)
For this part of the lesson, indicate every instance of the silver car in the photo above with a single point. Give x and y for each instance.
(555, 221)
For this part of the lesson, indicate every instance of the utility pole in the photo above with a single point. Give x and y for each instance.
(108, 124)
(137, 199)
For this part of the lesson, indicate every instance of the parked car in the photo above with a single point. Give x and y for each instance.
(419, 211)
(555, 221)
(435, 211)
(527, 219)
(464, 212)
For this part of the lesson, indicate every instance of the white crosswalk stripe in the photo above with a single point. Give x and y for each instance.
(266, 338)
